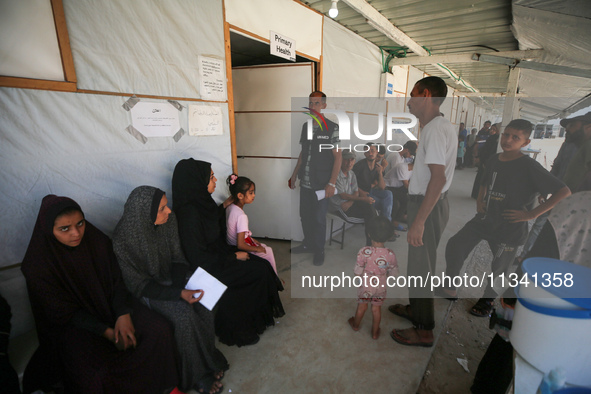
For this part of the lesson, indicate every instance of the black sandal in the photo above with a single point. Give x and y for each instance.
(483, 307)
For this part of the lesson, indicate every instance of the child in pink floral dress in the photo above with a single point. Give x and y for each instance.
(374, 264)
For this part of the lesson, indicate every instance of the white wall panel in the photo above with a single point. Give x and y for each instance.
(400, 79)
(414, 75)
(265, 134)
(29, 47)
(352, 66)
(275, 210)
(143, 47)
(269, 88)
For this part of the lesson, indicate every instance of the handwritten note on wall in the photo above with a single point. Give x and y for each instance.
(213, 78)
(205, 120)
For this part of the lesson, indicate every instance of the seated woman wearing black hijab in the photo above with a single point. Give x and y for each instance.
(147, 246)
(251, 301)
(93, 336)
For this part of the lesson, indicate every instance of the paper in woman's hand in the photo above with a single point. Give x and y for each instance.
(212, 288)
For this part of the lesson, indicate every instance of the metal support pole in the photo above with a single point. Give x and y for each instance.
(511, 105)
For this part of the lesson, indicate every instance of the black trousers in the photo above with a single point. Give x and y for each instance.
(460, 245)
(422, 261)
(313, 216)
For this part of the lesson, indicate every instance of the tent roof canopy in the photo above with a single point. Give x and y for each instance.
(553, 84)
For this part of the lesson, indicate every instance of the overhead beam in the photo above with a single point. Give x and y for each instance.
(540, 106)
(464, 57)
(582, 103)
(511, 104)
(549, 68)
(384, 26)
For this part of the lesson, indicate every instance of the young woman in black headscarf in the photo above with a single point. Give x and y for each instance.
(251, 301)
(147, 245)
(91, 333)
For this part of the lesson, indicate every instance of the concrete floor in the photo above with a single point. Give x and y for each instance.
(313, 349)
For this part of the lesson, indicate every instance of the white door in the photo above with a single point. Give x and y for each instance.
(267, 142)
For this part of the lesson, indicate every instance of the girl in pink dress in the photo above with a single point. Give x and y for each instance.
(242, 190)
(374, 264)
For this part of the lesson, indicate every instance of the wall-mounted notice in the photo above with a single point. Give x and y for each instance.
(282, 46)
(155, 119)
(205, 120)
(213, 78)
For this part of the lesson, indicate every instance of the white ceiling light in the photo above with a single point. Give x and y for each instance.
(334, 11)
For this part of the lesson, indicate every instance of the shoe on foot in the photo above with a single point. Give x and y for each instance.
(410, 337)
(301, 249)
(483, 307)
(401, 310)
(318, 258)
(400, 227)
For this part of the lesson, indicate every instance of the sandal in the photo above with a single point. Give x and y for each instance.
(400, 227)
(483, 307)
(401, 310)
(401, 339)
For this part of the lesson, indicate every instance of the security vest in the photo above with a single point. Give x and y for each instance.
(321, 161)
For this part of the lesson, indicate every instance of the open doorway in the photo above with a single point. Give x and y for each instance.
(267, 145)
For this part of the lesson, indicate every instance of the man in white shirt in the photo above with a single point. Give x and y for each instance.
(428, 208)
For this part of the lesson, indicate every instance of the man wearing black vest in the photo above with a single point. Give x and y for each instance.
(317, 168)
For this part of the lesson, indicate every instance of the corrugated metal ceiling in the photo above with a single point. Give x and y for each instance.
(446, 27)
(443, 27)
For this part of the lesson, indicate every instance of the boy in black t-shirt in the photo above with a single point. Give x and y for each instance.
(508, 188)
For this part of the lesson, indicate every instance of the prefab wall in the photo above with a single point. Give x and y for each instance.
(77, 144)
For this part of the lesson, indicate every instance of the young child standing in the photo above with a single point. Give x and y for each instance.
(461, 151)
(242, 190)
(510, 182)
(374, 261)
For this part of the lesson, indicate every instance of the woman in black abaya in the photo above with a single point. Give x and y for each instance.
(251, 301)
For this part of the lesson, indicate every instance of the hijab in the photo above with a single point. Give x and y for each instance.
(146, 251)
(571, 220)
(61, 279)
(190, 181)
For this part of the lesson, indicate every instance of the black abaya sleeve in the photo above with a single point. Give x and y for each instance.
(86, 321)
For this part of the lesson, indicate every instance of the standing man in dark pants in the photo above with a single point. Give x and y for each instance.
(428, 208)
(317, 168)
